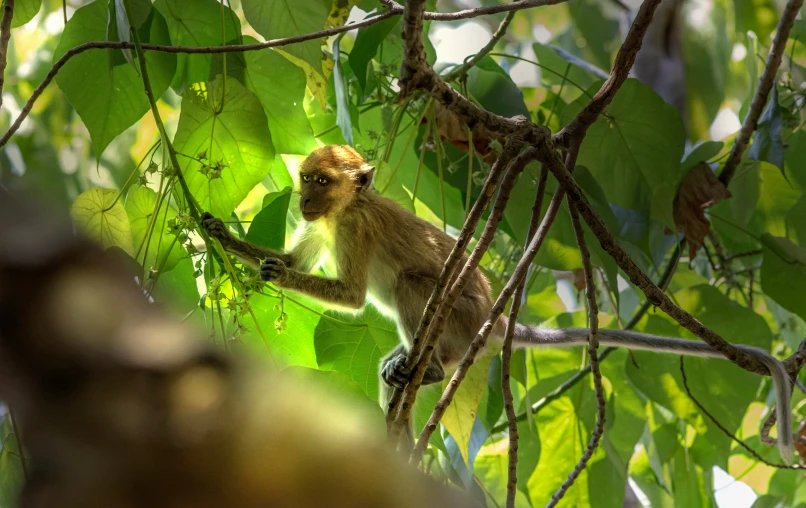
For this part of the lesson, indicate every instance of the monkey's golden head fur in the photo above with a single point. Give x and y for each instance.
(330, 180)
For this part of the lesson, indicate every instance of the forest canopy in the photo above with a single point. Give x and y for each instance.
(663, 142)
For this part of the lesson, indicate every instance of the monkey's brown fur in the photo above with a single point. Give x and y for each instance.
(386, 254)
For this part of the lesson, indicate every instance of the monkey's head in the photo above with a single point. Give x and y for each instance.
(331, 178)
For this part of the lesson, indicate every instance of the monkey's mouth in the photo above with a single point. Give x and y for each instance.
(311, 216)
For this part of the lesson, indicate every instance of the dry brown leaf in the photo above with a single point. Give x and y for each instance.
(700, 190)
(799, 446)
(452, 130)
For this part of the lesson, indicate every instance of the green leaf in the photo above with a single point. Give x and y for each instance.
(177, 288)
(140, 204)
(783, 273)
(293, 345)
(119, 25)
(634, 151)
(268, 226)
(723, 388)
(24, 11)
(760, 16)
(707, 51)
(109, 100)
(236, 136)
(366, 45)
(600, 32)
(703, 152)
(12, 475)
(280, 86)
(100, 215)
(387, 183)
(197, 26)
(557, 67)
(342, 101)
(460, 416)
(275, 19)
(767, 142)
(492, 87)
(354, 345)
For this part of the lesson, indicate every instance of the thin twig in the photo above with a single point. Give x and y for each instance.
(5, 35)
(460, 71)
(765, 84)
(724, 429)
(593, 345)
(506, 353)
(396, 403)
(479, 11)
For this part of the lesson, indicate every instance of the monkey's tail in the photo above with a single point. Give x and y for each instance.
(538, 336)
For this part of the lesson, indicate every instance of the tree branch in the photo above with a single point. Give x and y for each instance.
(765, 84)
(506, 353)
(574, 132)
(5, 35)
(479, 11)
(593, 345)
(654, 294)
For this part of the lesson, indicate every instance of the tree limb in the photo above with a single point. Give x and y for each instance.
(765, 84)
(5, 35)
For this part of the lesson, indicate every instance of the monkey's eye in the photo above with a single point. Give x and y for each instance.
(306, 178)
(322, 181)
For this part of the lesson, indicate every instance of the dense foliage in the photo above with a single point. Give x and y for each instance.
(242, 122)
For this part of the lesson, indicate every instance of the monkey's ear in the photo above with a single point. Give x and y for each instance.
(366, 177)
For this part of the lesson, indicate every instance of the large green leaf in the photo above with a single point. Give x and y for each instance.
(280, 86)
(12, 475)
(492, 87)
(268, 226)
(293, 345)
(109, 100)
(101, 216)
(196, 26)
(366, 45)
(236, 135)
(275, 19)
(354, 345)
(783, 273)
(634, 150)
(599, 31)
(140, 204)
(24, 11)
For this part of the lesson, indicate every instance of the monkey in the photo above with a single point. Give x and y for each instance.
(388, 256)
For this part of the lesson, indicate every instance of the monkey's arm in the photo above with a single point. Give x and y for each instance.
(349, 289)
(302, 257)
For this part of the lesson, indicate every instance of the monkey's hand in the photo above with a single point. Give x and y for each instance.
(394, 371)
(215, 227)
(274, 270)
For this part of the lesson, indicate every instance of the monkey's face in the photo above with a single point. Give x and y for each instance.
(330, 179)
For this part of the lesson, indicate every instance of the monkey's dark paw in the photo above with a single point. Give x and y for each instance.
(214, 227)
(395, 373)
(273, 270)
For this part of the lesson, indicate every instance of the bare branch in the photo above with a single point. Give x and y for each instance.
(593, 345)
(765, 84)
(394, 425)
(727, 432)
(575, 131)
(5, 35)
(794, 363)
(480, 340)
(654, 294)
(506, 353)
(479, 11)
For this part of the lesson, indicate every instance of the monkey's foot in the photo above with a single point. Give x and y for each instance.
(214, 227)
(395, 373)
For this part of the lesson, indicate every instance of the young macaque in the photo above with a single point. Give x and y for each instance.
(389, 256)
